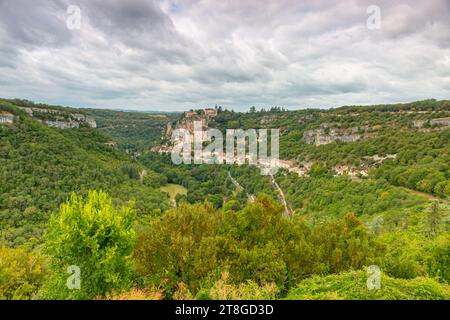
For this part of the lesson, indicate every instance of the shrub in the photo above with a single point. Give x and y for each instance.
(352, 286)
(21, 273)
(97, 238)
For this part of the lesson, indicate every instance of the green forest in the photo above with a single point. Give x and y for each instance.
(97, 204)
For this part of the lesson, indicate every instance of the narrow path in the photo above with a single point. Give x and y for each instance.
(240, 188)
(287, 210)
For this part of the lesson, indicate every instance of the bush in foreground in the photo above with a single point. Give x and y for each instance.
(352, 286)
(95, 237)
(21, 273)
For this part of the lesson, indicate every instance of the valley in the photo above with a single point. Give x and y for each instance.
(356, 186)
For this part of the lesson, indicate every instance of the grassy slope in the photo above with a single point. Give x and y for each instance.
(173, 190)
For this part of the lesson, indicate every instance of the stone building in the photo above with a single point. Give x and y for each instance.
(210, 112)
(59, 118)
(6, 117)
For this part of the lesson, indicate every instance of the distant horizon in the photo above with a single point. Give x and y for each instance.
(266, 108)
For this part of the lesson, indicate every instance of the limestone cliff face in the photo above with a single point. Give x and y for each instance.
(188, 119)
(319, 136)
(432, 122)
(326, 135)
(60, 119)
(186, 122)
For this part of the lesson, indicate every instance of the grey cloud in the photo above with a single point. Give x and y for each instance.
(132, 21)
(37, 23)
(173, 54)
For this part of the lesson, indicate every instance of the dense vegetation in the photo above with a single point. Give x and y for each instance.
(132, 131)
(352, 286)
(72, 198)
(196, 251)
(97, 239)
(196, 244)
(41, 166)
(422, 157)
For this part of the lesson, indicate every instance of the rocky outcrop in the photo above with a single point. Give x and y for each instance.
(380, 159)
(60, 119)
(437, 122)
(84, 118)
(351, 171)
(368, 163)
(419, 123)
(289, 165)
(326, 134)
(320, 137)
(187, 123)
(61, 124)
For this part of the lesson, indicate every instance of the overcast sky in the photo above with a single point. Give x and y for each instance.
(176, 55)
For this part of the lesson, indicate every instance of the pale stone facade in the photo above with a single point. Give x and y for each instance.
(6, 117)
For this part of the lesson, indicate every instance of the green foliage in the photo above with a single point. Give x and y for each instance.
(181, 247)
(318, 170)
(194, 244)
(437, 257)
(174, 190)
(352, 286)
(227, 247)
(40, 167)
(421, 163)
(21, 273)
(131, 171)
(210, 182)
(409, 254)
(133, 131)
(224, 290)
(324, 197)
(94, 236)
(434, 218)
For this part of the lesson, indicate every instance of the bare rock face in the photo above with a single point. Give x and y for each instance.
(419, 123)
(62, 124)
(436, 122)
(269, 119)
(60, 119)
(326, 135)
(187, 123)
(168, 132)
(320, 137)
